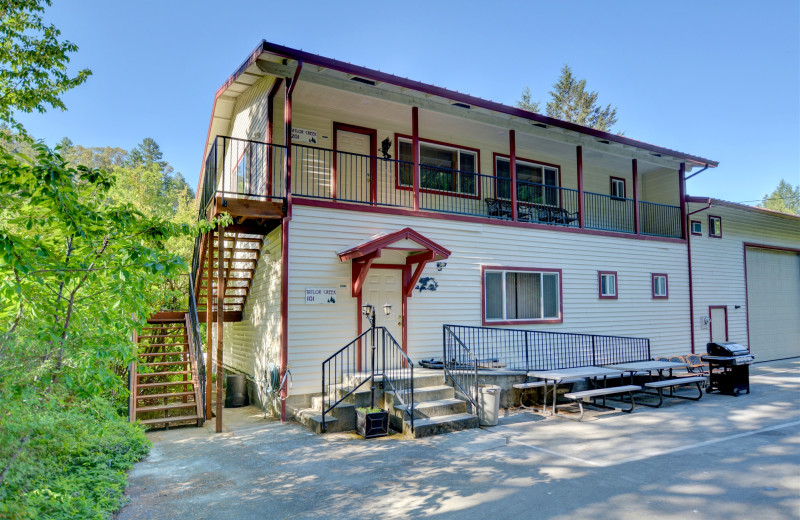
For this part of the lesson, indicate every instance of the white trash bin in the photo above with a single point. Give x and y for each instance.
(489, 402)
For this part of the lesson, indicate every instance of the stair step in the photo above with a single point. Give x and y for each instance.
(151, 354)
(158, 327)
(151, 336)
(428, 393)
(162, 407)
(166, 395)
(436, 408)
(178, 418)
(442, 424)
(163, 363)
(156, 374)
(182, 344)
(170, 383)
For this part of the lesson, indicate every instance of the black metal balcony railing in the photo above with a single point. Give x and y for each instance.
(251, 169)
(659, 219)
(240, 168)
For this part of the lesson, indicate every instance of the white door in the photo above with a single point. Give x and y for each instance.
(384, 286)
(353, 167)
(719, 324)
(773, 303)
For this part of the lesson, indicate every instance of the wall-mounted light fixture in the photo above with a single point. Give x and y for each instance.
(737, 306)
(440, 265)
(387, 309)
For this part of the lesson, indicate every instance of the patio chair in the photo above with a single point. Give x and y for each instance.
(696, 365)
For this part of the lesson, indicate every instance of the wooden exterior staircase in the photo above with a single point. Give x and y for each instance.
(164, 381)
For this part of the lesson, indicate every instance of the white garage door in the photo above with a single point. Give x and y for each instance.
(773, 303)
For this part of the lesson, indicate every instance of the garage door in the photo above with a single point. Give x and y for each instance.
(773, 303)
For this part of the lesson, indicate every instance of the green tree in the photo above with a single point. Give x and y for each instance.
(570, 101)
(526, 103)
(33, 61)
(785, 198)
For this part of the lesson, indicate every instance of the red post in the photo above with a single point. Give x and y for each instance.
(512, 147)
(581, 212)
(220, 313)
(271, 131)
(682, 188)
(415, 146)
(635, 173)
(209, 316)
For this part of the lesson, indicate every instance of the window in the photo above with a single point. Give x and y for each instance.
(442, 168)
(697, 228)
(536, 183)
(617, 187)
(608, 285)
(714, 226)
(522, 296)
(660, 289)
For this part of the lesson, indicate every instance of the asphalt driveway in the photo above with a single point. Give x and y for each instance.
(720, 457)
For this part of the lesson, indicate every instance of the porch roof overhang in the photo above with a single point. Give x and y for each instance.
(407, 248)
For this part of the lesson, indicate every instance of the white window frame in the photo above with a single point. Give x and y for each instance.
(557, 169)
(603, 277)
(656, 286)
(504, 319)
(617, 188)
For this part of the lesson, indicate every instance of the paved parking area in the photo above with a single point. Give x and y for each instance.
(720, 457)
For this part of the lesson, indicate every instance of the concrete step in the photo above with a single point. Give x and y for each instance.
(442, 424)
(341, 419)
(425, 393)
(428, 409)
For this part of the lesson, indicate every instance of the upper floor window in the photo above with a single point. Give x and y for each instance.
(521, 295)
(608, 284)
(442, 167)
(660, 288)
(697, 227)
(618, 187)
(533, 181)
(714, 226)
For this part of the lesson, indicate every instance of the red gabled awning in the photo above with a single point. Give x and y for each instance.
(409, 248)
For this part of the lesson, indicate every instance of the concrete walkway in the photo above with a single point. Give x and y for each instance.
(721, 457)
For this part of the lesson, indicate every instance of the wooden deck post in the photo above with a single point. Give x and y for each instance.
(682, 195)
(220, 312)
(209, 300)
(512, 152)
(415, 153)
(581, 205)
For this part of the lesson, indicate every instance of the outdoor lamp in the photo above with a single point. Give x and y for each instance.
(387, 309)
(367, 309)
(440, 265)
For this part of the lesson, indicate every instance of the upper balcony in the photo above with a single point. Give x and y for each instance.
(357, 138)
(243, 169)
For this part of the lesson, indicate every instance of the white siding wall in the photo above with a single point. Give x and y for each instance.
(316, 331)
(718, 264)
(254, 342)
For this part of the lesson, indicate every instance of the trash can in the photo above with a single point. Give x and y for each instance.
(489, 402)
(235, 391)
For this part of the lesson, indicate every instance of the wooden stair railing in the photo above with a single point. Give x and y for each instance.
(165, 388)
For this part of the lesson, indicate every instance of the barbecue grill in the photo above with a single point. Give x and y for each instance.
(729, 368)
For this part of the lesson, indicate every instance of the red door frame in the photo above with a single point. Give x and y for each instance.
(711, 323)
(373, 152)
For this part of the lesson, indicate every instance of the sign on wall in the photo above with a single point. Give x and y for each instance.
(321, 295)
(301, 135)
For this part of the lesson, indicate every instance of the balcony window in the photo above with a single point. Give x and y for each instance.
(442, 168)
(533, 180)
(522, 296)
(617, 188)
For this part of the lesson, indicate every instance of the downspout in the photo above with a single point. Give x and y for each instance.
(689, 258)
(287, 141)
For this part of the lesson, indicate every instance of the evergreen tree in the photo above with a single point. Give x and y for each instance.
(571, 102)
(784, 198)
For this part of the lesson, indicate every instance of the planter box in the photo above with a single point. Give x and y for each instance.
(371, 425)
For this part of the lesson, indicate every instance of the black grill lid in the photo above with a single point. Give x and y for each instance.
(726, 349)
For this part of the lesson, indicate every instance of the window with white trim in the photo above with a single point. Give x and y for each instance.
(608, 284)
(617, 187)
(660, 289)
(536, 183)
(521, 295)
(697, 227)
(441, 168)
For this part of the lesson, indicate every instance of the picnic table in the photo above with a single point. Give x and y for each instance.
(659, 367)
(577, 374)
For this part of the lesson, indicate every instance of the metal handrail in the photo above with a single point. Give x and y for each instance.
(343, 359)
(452, 363)
(196, 344)
(396, 383)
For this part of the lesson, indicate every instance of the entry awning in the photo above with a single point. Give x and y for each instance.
(405, 248)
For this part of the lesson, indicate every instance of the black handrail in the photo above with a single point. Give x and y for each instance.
(400, 373)
(516, 349)
(194, 334)
(461, 366)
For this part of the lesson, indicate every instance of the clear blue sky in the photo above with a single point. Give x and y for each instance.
(718, 79)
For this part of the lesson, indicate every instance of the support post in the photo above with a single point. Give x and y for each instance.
(415, 146)
(271, 131)
(209, 321)
(581, 204)
(512, 148)
(682, 189)
(220, 313)
(635, 173)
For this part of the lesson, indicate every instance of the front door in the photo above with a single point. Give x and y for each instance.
(384, 286)
(719, 323)
(354, 167)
